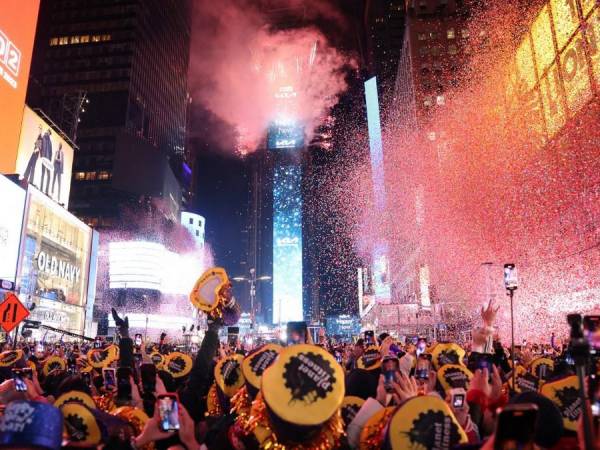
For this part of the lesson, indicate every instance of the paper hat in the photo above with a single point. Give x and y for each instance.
(448, 353)
(135, 416)
(205, 294)
(9, 357)
(304, 386)
(80, 425)
(31, 424)
(100, 358)
(542, 367)
(157, 359)
(350, 406)
(370, 359)
(75, 397)
(228, 374)
(256, 362)
(371, 436)
(565, 394)
(178, 364)
(453, 376)
(53, 363)
(424, 422)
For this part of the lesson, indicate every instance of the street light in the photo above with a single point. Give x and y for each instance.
(252, 279)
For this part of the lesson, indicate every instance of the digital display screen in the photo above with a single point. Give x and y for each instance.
(285, 135)
(11, 221)
(287, 244)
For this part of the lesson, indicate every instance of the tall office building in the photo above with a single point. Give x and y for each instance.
(113, 74)
(383, 22)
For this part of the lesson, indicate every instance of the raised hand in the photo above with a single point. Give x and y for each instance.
(488, 315)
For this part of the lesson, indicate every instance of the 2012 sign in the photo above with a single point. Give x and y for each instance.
(10, 58)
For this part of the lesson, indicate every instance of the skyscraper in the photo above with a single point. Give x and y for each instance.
(113, 75)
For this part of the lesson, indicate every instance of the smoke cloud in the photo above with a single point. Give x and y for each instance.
(249, 69)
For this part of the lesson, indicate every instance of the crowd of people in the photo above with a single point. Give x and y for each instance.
(374, 393)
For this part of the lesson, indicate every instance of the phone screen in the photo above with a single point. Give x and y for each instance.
(369, 337)
(138, 340)
(109, 378)
(591, 326)
(458, 400)
(20, 385)
(422, 369)
(168, 410)
(388, 379)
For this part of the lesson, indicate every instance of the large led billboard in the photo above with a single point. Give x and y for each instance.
(54, 264)
(11, 221)
(380, 263)
(18, 20)
(549, 78)
(287, 244)
(44, 158)
(149, 265)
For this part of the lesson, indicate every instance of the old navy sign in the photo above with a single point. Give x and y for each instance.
(58, 268)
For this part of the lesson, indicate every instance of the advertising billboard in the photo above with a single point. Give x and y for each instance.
(283, 134)
(18, 20)
(44, 158)
(11, 221)
(287, 244)
(549, 79)
(149, 265)
(53, 270)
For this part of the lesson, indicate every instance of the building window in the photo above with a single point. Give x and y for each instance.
(424, 51)
(80, 176)
(435, 51)
(197, 233)
(440, 100)
(428, 101)
(450, 33)
(96, 38)
(106, 37)
(452, 49)
(53, 42)
(85, 38)
(464, 33)
(90, 176)
(63, 40)
(422, 36)
(191, 221)
(74, 40)
(104, 175)
(434, 35)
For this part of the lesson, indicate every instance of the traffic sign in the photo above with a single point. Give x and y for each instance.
(12, 312)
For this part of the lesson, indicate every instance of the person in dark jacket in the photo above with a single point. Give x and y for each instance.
(29, 173)
(46, 158)
(59, 158)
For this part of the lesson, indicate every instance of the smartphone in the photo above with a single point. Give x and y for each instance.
(480, 361)
(97, 343)
(388, 379)
(510, 277)
(421, 346)
(515, 427)
(124, 383)
(369, 337)
(148, 373)
(168, 410)
(458, 397)
(138, 340)
(296, 333)
(19, 380)
(591, 327)
(110, 382)
(232, 336)
(423, 368)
